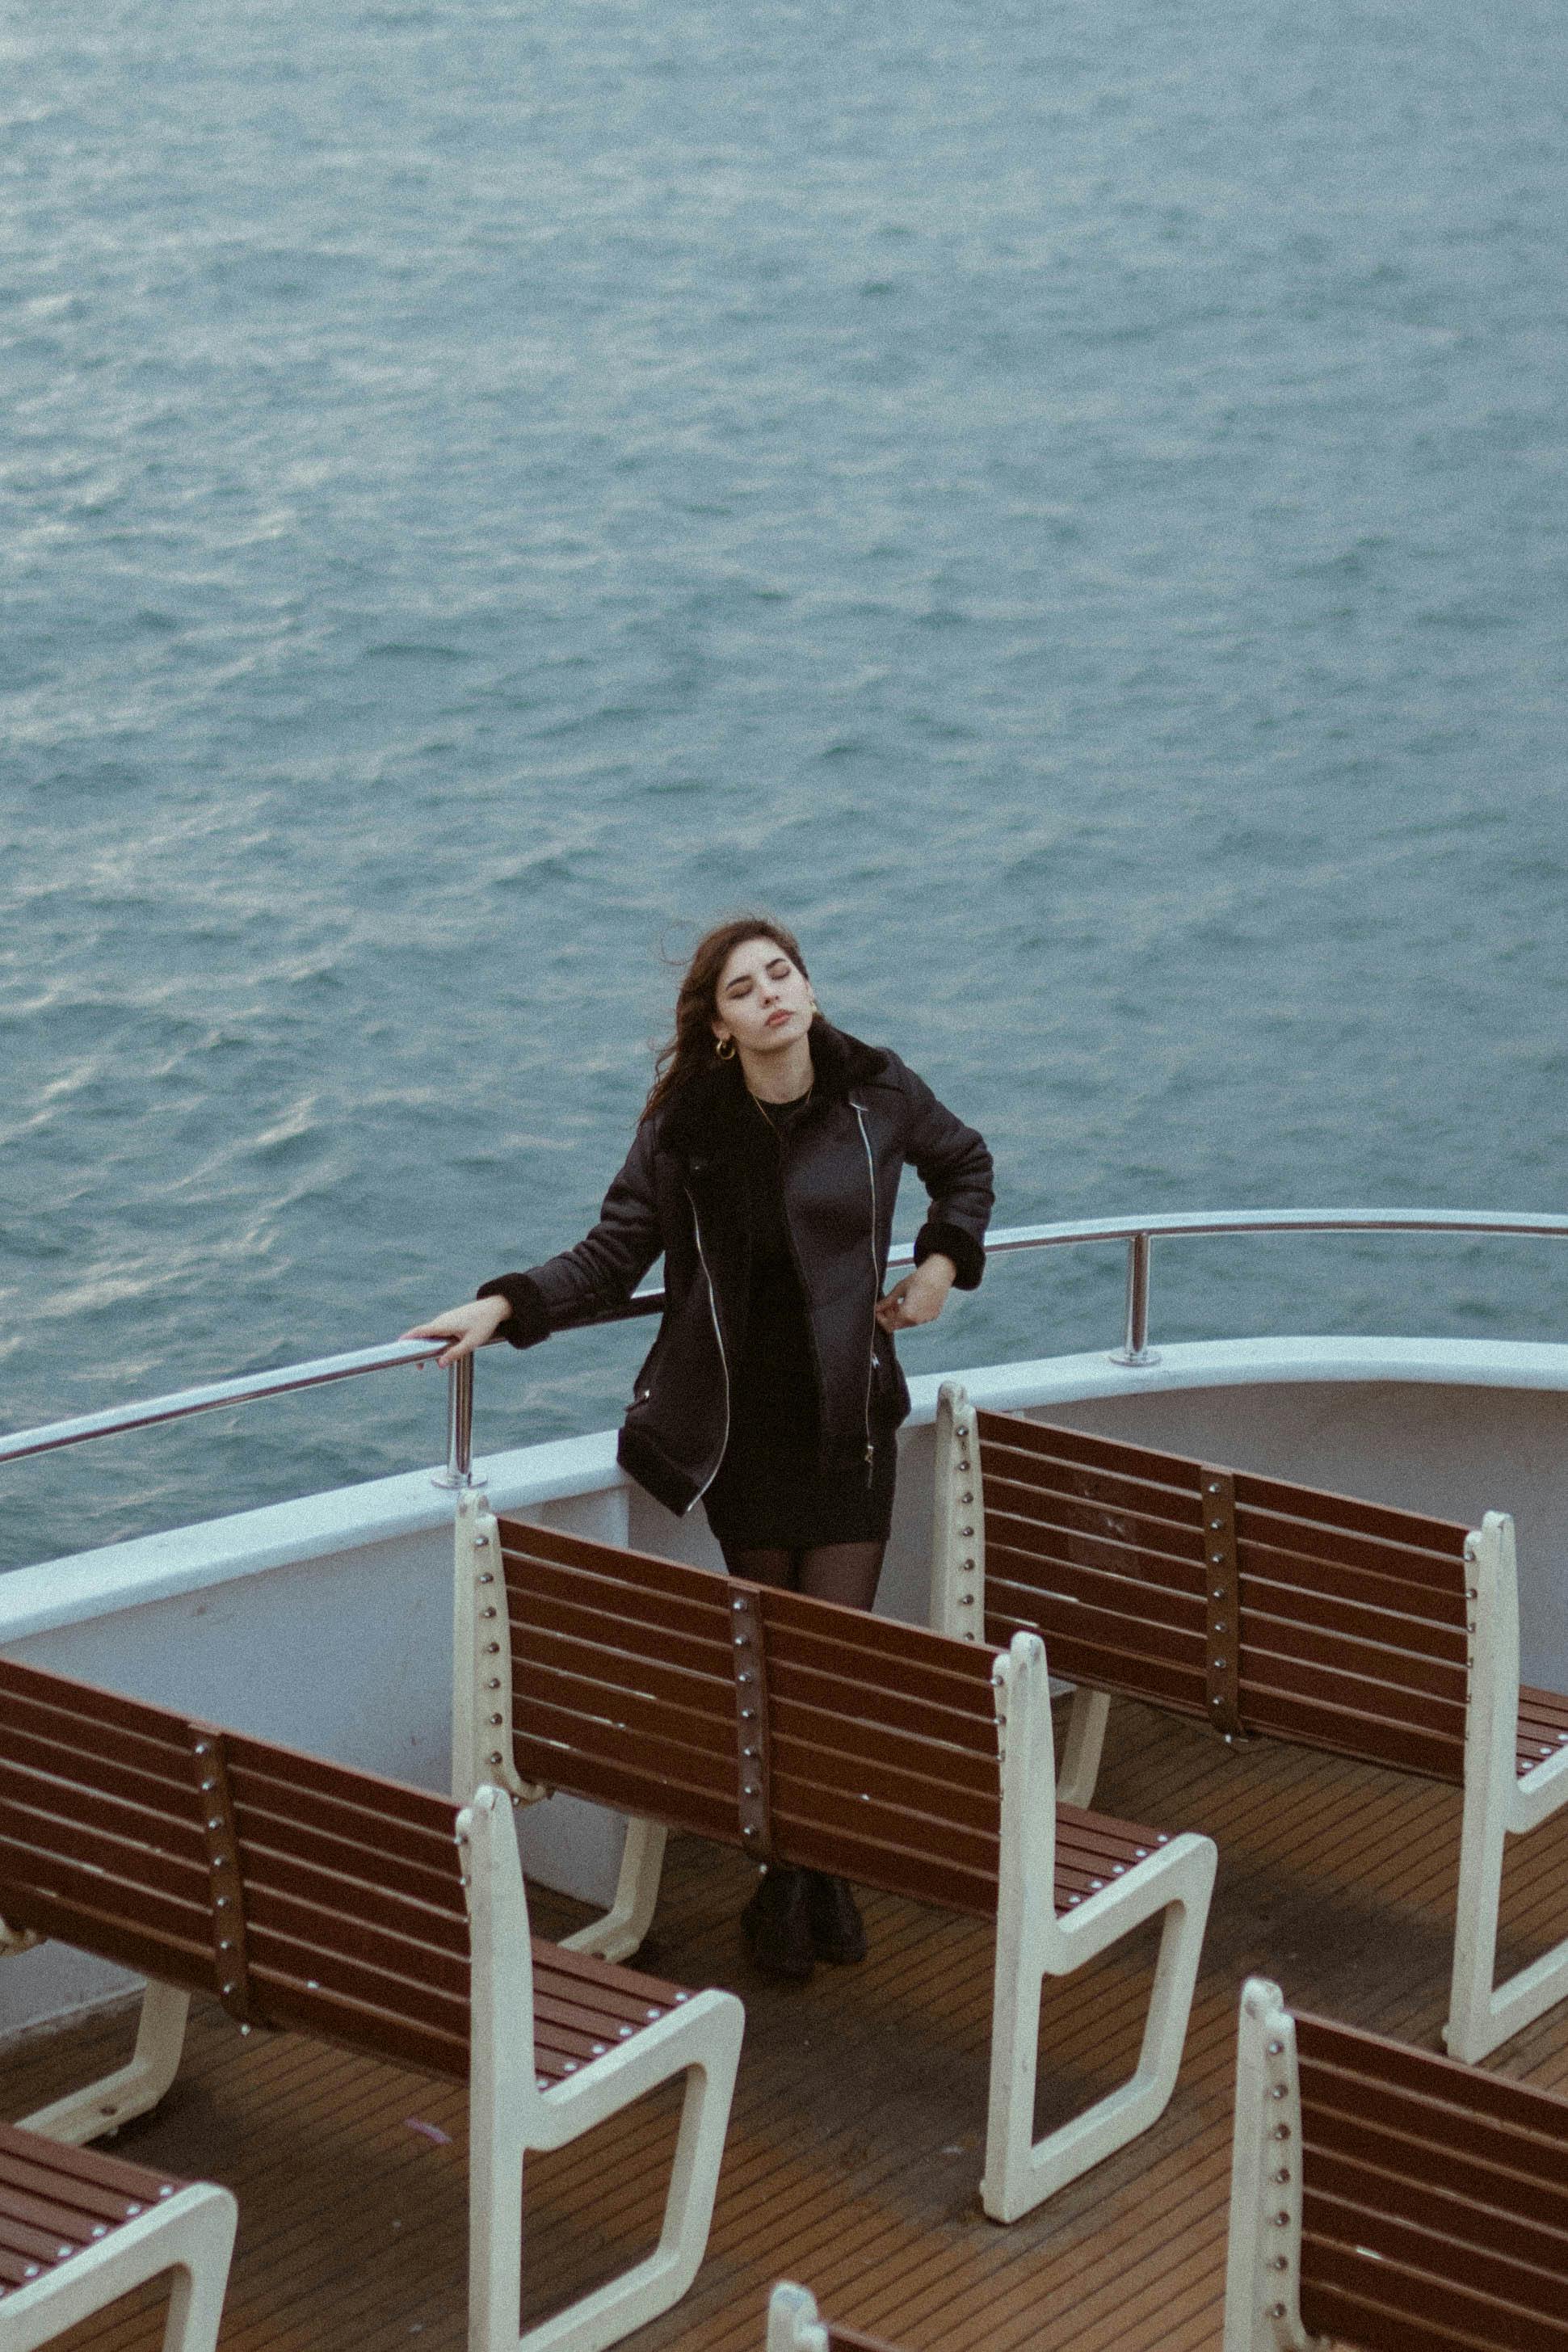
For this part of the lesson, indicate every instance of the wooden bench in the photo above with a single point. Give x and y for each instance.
(77, 2230)
(795, 2324)
(1389, 2198)
(819, 1736)
(1261, 1607)
(326, 1901)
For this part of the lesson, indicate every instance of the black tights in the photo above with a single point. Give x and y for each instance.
(845, 1572)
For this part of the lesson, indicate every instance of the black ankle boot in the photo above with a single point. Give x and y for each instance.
(777, 1924)
(838, 1932)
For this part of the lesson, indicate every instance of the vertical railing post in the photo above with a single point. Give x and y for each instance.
(1135, 1349)
(459, 1470)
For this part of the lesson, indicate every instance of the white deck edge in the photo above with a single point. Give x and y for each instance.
(76, 1587)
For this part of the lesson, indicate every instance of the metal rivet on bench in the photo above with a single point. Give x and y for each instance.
(1143, 1854)
(1277, 2091)
(1095, 1884)
(1118, 1869)
(748, 1831)
(1281, 2220)
(100, 2229)
(1214, 1486)
(753, 1753)
(568, 2066)
(966, 1600)
(494, 1723)
(1281, 2175)
(750, 1791)
(494, 1757)
(543, 2081)
(1074, 1898)
(487, 1578)
(1276, 2049)
(1162, 1837)
(481, 1543)
(1278, 2262)
(1217, 1558)
(748, 1715)
(600, 2048)
(492, 1649)
(624, 2032)
(223, 1902)
(737, 1603)
(1276, 2311)
(654, 2013)
(743, 1641)
(487, 1612)
(1280, 2131)
(207, 1788)
(744, 1677)
(493, 1682)
(683, 1996)
(202, 1746)
(131, 2211)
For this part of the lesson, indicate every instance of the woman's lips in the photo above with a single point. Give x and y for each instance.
(774, 1019)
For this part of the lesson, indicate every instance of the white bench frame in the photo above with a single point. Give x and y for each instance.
(1032, 1943)
(511, 2109)
(1263, 2263)
(1500, 1803)
(191, 2233)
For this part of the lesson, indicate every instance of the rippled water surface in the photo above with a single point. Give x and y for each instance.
(1067, 506)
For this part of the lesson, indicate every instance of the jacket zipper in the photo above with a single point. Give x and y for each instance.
(875, 1287)
(723, 1360)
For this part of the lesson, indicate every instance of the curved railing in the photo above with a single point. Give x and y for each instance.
(1138, 1234)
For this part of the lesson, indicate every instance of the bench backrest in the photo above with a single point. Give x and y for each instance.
(302, 1892)
(1431, 2200)
(802, 1732)
(1140, 1568)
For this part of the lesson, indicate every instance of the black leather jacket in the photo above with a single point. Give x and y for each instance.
(683, 1191)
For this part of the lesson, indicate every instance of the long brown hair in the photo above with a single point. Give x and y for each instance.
(694, 1047)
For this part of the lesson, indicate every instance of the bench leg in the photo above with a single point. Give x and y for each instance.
(619, 1933)
(794, 2323)
(1020, 2171)
(192, 2236)
(1482, 2013)
(102, 2106)
(650, 2286)
(1080, 1767)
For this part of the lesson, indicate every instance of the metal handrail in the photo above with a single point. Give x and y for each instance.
(1139, 1234)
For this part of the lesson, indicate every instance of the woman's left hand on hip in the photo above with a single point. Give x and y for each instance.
(920, 1297)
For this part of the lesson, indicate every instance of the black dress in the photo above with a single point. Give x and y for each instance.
(779, 1485)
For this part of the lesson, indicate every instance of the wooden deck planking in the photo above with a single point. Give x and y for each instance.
(855, 2146)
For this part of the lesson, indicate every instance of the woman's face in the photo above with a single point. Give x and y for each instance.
(763, 1000)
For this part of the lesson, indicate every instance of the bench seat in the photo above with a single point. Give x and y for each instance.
(77, 2230)
(308, 1897)
(1262, 1608)
(819, 1738)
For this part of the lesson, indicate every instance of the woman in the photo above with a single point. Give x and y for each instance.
(765, 1169)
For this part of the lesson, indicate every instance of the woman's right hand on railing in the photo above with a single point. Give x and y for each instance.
(473, 1325)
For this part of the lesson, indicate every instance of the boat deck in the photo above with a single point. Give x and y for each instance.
(854, 2150)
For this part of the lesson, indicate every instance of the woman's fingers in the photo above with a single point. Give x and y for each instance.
(473, 1325)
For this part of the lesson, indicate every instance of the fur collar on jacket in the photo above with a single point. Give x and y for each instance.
(712, 1110)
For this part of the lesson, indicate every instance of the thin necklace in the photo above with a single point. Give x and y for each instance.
(766, 1115)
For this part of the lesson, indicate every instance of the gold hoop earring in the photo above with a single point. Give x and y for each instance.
(720, 1047)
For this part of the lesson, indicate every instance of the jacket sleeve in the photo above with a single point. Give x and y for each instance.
(952, 1164)
(603, 1268)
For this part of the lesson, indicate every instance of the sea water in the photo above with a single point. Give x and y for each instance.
(1065, 505)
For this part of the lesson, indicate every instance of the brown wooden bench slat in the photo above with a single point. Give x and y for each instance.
(1337, 1577)
(53, 1759)
(159, 1729)
(339, 1800)
(1438, 2197)
(1270, 1674)
(1168, 1682)
(342, 1935)
(1489, 2273)
(932, 1684)
(800, 1752)
(807, 1630)
(551, 1718)
(1347, 2292)
(32, 1875)
(876, 1819)
(803, 1842)
(1349, 1514)
(642, 1572)
(173, 1958)
(1113, 1584)
(608, 1632)
(271, 1846)
(961, 1732)
(1359, 1618)
(47, 1824)
(1426, 2167)
(1346, 1652)
(545, 1650)
(1103, 1453)
(580, 1773)
(1056, 1520)
(871, 1737)
(290, 2005)
(546, 1587)
(681, 1730)
(1054, 1474)
(613, 1984)
(1439, 2089)
(1312, 1723)
(274, 1875)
